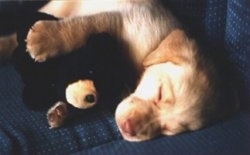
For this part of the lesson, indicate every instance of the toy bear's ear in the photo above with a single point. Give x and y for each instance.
(7, 46)
(82, 94)
(170, 49)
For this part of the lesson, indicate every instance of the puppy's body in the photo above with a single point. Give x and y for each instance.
(147, 21)
(177, 90)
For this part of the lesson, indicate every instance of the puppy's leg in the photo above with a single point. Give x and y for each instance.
(57, 114)
(47, 39)
(7, 45)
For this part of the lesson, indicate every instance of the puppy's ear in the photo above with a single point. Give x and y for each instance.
(170, 49)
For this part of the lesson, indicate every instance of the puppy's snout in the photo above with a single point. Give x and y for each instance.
(90, 98)
(128, 127)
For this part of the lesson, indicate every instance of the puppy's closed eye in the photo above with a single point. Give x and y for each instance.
(165, 95)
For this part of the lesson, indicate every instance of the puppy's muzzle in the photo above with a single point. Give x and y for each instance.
(137, 119)
(127, 126)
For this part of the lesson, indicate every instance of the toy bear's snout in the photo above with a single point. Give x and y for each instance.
(81, 94)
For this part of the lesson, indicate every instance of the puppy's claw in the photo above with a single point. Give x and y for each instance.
(33, 56)
(39, 59)
(32, 28)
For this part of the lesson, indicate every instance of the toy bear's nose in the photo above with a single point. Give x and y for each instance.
(90, 98)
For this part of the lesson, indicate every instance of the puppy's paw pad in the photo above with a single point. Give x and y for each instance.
(42, 40)
(57, 115)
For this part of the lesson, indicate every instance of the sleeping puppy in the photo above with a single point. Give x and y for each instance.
(177, 91)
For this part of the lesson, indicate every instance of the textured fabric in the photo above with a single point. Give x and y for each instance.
(25, 132)
(223, 26)
(237, 43)
(228, 138)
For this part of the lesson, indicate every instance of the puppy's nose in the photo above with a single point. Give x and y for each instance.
(90, 98)
(128, 127)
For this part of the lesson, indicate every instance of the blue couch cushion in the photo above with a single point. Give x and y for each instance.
(237, 44)
(228, 138)
(23, 131)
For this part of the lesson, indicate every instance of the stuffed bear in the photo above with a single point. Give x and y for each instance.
(96, 74)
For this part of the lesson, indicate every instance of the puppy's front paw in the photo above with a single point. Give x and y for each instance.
(43, 40)
(57, 114)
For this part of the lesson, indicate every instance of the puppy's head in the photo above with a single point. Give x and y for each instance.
(136, 119)
(171, 94)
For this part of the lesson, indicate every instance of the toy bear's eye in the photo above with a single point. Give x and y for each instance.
(89, 98)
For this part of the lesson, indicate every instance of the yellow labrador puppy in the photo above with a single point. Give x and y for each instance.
(175, 94)
(177, 91)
